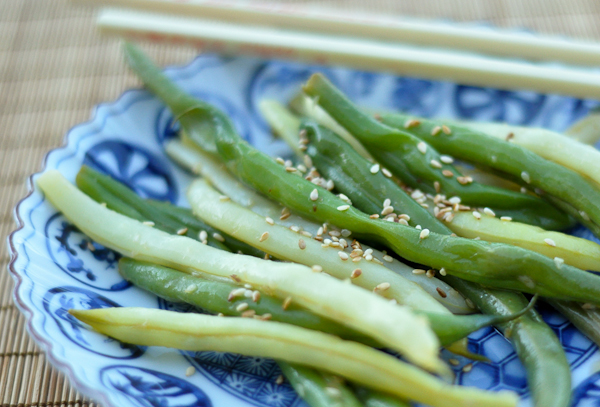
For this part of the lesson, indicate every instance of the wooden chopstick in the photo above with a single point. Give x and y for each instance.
(235, 39)
(384, 28)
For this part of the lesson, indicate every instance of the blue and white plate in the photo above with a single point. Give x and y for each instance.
(55, 269)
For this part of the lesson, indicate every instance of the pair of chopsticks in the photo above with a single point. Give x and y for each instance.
(467, 55)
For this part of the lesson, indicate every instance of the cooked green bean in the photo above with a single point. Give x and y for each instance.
(391, 325)
(494, 264)
(519, 163)
(319, 389)
(192, 158)
(586, 130)
(585, 317)
(420, 166)
(538, 348)
(356, 362)
(376, 399)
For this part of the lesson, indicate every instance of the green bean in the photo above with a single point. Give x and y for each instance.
(318, 389)
(586, 130)
(494, 264)
(509, 158)
(225, 297)
(377, 399)
(393, 326)
(338, 161)
(419, 165)
(584, 317)
(537, 346)
(356, 362)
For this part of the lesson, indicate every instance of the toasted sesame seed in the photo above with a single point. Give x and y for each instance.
(344, 198)
(242, 307)
(388, 258)
(346, 232)
(387, 210)
(290, 169)
(505, 218)
(446, 159)
(327, 241)
(314, 195)
(343, 208)
(525, 176)
(422, 147)
(443, 271)
(441, 292)
(386, 172)
(148, 223)
(316, 268)
(295, 228)
(301, 168)
(387, 202)
(446, 129)
(301, 244)
(279, 379)
(454, 200)
(436, 130)
(476, 215)
(91, 247)
(368, 251)
(191, 288)
(424, 234)
(436, 186)
(280, 160)
(286, 303)
(403, 222)
(454, 362)
(248, 313)
(467, 368)
(335, 244)
(489, 212)
(218, 237)
(343, 255)
(374, 169)
(330, 185)
(190, 371)
(306, 233)
(418, 271)
(510, 136)
(559, 262)
(356, 273)
(435, 164)
(411, 123)
(464, 180)
(235, 278)
(374, 216)
(182, 231)
(550, 242)
(418, 227)
(382, 287)
(447, 173)
(266, 317)
(264, 237)
(269, 221)
(430, 273)
(368, 257)
(255, 296)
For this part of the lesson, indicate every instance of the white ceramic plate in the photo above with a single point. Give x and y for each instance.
(54, 269)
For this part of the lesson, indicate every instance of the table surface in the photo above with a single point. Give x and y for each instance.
(54, 67)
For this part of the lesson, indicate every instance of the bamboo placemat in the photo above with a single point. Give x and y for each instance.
(54, 68)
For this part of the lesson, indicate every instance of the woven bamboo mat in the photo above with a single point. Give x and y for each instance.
(54, 68)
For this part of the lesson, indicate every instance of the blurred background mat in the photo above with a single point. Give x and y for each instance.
(54, 68)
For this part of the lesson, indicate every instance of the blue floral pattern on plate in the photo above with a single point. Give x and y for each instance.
(56, 267)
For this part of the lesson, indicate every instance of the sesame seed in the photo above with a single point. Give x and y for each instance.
(301, 168)
(335, 244)
(422, 147)
(314, 195)
(477, 238)
(559, 262)
(235, 278)
(333, 392)
(448, 217)
(279, 379)
(436, 186)
(316, 268)
(387, 202)
(255, 296)
(343, 255)
(374, 216)
(525, 176)
(344, 198)
(286, 303)
(386, 172)
(464, 180)
(446, 159)
(327, 242)
(264, 237)
(190, 371)
(295, 228)
(301, 244)
(387, 210)
(584, 215)
(467, 368)
(418, 271)
(266, 317)
(424, 234)
(411, 123)
(587, 306)
(443, 272)
(388, 258)
(454, 362)
(330, 185)
(356, 273)
(103, 204)
(224, 198)
(505, 218)
(403, 222)
(382, 287)
(476, 215)
(182, 231)
(248, 313)
(368, 251)
(447, 173)
(418, 227)
(446, 129)
(346, 232)
(218, 237)
(441, 292)
(489, 212)
(510, 136)
(435, 164)
(91, 247)
(430, 273)
(269, 221)
(374, 169)
(436, 130)
(290, 169)
(343, 208)
(454, 200)
(368, 257)
(280, 160)
(242, 307)
(148, 223)
(550, 242)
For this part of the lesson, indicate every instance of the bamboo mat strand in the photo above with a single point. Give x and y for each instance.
(54, 68)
